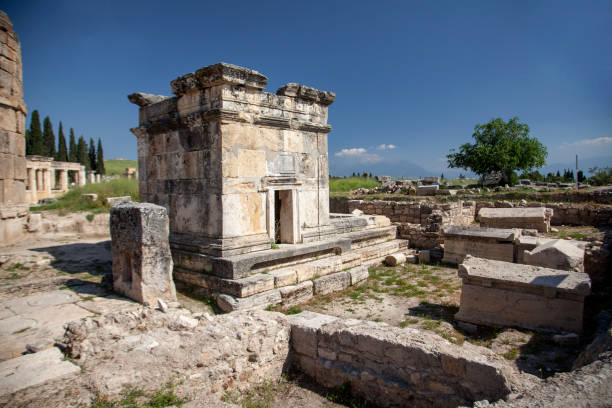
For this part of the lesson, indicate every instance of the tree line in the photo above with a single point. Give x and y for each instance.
(41, 141)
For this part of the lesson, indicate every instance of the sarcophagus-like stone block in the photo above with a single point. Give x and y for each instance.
(142, 262)
(489, 243)
(500, 293)
(526, 218)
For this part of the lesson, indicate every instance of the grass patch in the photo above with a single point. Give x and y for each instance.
(136, 398)
(351, 183)
(511, 354)
(73, 201)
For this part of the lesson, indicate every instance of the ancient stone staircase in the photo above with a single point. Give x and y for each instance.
(297, 281)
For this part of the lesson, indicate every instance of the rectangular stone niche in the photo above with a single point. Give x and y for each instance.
(497, 293)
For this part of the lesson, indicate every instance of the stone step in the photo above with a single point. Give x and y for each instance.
(383, 249)
(294, 294)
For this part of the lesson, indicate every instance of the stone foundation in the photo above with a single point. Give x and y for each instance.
(497, 293)
(389, 366)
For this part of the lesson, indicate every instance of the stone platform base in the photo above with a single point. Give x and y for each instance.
(497, 293)
(289, 281)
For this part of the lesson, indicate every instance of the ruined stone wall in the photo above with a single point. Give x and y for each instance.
(215, 154)
(419, 237)
(12, 117)
(563, 213)
(390, 366)
(423, 213)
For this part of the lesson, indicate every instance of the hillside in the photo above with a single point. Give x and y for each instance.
(118, 166)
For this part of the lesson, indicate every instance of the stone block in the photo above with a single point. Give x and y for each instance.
(228, 303)
(358, 274)
(556, 254)
(518, 217)
(284, 277)
(142, 262)
(490, 243)
(427, 190)
(296, 294)
(500, 293)
(332, 283)
(112, 201)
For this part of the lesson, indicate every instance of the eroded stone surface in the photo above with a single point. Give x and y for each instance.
(142, 262)
(557, 254)
(521, 217)
(508, 294)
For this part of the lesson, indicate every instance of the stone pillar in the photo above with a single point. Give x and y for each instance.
(82, 176)
(142, 262)
(91, 178)
(32, 192)
(48, 185)
(63, 180)
(97, 178)
(39, 180)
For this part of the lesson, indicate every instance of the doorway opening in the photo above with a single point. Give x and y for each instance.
(283, 217)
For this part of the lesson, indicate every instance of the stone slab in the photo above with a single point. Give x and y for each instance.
(297, 294)
(228, 303)
(332, 283)
(496, 234)
(528, 276)
(34, 369)
(557, 254)
(239, 266)
(500, 293)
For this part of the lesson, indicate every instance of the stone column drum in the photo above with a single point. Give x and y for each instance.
(142, 262)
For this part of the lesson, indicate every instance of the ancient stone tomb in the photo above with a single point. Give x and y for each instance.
(235, 166)
(244, 177)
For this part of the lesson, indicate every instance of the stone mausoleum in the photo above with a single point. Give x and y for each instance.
(244, 177)
(236, 167)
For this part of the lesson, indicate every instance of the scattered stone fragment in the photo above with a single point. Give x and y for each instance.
(183, 323)
(395, 259)
(162, 305)
(556, 254)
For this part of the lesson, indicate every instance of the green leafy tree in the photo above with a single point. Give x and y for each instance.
(48, 138)
(36, 136)
(82, 155)
(600, 176)
(581, 177)
(62, 150)
(73, 155)
(500, 147)
(100, 159)
(91, 155)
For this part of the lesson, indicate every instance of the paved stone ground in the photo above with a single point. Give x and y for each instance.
(44, 284)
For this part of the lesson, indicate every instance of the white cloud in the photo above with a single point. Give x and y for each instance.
(589, 142)
(355, 151)
(386, 146)
(359, 154)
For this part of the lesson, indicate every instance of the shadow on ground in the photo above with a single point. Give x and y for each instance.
(93, 258)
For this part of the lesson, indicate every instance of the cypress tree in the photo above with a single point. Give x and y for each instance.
(82, 156)
(91, 155)
(72, 152)
(36, 134)
(62, 151)
(48, 138)
(28, 142)
(100, 159)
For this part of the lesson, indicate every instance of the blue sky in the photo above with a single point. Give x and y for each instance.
(411, 78)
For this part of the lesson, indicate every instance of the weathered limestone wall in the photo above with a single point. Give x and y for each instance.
(390, 366)
(564, 213)
(13, 207)
(12, 117)
(216, 154)
(424, 213)
(419, 236)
